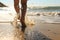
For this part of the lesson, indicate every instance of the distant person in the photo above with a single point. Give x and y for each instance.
(23, 12)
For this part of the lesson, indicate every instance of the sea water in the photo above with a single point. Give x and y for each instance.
(48, 19)
(34, 10)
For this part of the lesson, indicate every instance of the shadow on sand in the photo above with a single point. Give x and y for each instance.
(30, 34)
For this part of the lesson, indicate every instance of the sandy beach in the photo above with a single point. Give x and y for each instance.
(39, 31)
(51, 30)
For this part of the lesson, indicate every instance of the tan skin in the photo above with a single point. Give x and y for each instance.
(23, 11)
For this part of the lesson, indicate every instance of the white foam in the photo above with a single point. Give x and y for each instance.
(50, 19)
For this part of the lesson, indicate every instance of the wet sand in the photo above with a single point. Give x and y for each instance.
(51, 31)
(39, 31)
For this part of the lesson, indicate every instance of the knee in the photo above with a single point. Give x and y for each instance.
(24, 5)
(16, 6)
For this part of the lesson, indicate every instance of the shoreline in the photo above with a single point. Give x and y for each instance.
(40, 31)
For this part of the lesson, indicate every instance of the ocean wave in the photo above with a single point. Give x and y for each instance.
(50, 19)
(50, 7)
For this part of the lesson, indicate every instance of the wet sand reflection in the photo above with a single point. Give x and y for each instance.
(30, 34)
(9, 32)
